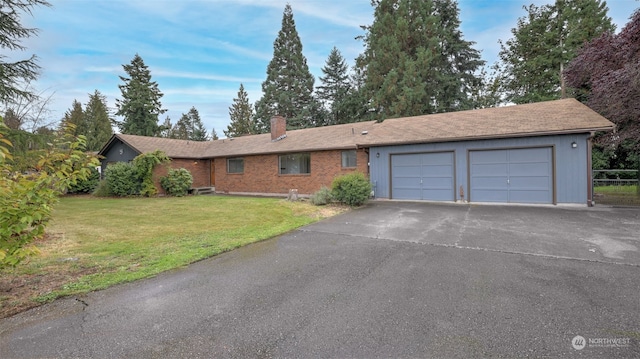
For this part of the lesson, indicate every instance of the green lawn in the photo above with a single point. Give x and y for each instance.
(616, 189)
(94, 243)
(617, 195)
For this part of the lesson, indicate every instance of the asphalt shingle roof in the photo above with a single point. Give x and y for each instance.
(542, 118)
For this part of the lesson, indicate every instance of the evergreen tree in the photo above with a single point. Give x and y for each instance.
(334, 87)
(543, 43)
(97, 121)
(166, 128)
(181, 129)
(288, 89)
(198, 131)
(241, 116)
(416, 61)
(189, 127)
(487, 92)
(140, 104)
(14, 74)
(214, 135)
(75, 116)
(12, 120)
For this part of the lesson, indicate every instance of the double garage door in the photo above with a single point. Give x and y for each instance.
(507, 176)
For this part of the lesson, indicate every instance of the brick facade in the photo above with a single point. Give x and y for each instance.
(261, 174)
(200, 171)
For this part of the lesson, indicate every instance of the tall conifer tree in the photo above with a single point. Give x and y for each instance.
(96, 118)
(75, 116)
(416, 60)
(288, 89)
(241, 116)
(544, 42)
(334, 87)
(140, 104)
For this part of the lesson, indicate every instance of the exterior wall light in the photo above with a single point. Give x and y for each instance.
(377, 154)
(574, 144)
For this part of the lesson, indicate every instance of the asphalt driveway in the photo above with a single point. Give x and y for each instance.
(393, 279)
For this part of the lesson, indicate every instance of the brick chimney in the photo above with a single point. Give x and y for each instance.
(278, 128)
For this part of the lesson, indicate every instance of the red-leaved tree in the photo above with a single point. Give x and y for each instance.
(606, 75)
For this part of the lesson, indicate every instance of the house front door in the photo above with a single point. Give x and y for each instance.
(212, 165)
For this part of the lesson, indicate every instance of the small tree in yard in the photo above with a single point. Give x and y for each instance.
(27, 198)
(353, 189)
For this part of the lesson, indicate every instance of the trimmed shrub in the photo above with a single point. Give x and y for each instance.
(353, 189)
(321, 197)
(87, 185)
(177, 182)
(122, 179)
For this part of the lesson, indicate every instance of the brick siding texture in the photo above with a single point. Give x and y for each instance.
(199, 171)
(261, 174)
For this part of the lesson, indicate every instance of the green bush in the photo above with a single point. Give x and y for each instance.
(177, 182)
(321, 197)
(87, 185)
(122, 179)
(102, 190)
(353, 189)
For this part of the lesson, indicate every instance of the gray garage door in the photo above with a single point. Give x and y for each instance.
(424, 176)
(512, 176)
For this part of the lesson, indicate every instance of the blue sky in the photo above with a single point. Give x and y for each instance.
(199, 51)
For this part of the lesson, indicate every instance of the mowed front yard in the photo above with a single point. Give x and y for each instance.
(94, 243)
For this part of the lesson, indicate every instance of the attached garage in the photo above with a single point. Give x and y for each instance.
(537, 153)
(423, 176)
(523, 175)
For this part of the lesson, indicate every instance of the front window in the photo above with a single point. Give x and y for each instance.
(295, 163)
(235, 165)
(349, 159)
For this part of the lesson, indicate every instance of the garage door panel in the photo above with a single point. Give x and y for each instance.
(491, 195)
(436, 195)
(437, 171)
(528, 196)
(512, 175)
(444, 158)
(407, 171)
(528, 169)
(533, 183)
(490, 169)
(530, 155)
(488, 157)
(423, 176)
(405, 193)
(437, 183)
(407, 182)
(489, 182)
